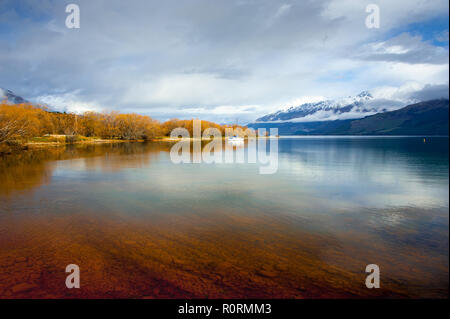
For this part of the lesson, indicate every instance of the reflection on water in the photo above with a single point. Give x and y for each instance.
(140, 226)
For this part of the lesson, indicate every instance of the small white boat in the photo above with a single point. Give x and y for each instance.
(235, 139)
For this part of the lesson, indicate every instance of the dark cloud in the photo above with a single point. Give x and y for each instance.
(405, 49)
(201, 57)
(430, 92)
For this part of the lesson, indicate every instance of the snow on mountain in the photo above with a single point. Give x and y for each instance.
(351, 107)
(10, 97)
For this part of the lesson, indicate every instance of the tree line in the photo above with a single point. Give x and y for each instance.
(22, 121)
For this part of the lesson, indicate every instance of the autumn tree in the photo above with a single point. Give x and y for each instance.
(19, 122)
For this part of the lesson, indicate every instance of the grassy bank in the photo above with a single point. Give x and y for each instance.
(67, 139)
(54, 141)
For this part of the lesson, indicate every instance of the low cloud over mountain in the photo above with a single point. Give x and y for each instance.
(424, 118)
(354, 107)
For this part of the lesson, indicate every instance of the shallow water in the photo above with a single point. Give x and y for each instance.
(140, 226)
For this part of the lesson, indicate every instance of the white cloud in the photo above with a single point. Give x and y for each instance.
(404, 48)
(282, 10)
(178, 58)
(331, 116)
(68, 102)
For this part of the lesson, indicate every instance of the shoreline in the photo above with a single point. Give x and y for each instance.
(29, 146)
(95, 141)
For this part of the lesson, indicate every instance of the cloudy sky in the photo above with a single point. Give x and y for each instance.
(222, 60)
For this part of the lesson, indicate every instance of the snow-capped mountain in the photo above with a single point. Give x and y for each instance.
(10, 97)
(346, 108)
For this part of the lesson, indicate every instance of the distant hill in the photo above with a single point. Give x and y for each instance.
(424, 118)
(10, 97)
(430, 118)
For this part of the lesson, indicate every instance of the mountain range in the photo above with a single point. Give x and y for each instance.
(423, 118)
(352, 106)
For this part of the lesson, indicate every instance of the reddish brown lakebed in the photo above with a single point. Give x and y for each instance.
(139, 226)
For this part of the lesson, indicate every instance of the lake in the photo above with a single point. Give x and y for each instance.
(140, 226)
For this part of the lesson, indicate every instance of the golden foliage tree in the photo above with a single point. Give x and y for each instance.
(22, 121)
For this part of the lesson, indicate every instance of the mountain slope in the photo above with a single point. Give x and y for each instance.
(10, 97)
(356, 107)
(424, 118)
(430, 118)
(302, 128)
